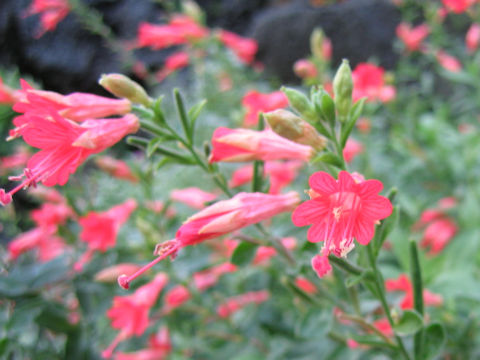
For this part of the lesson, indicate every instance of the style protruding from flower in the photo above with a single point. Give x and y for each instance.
(340, 211)
(219, 219)
(238, 145)
(256, 102)
(64, 145)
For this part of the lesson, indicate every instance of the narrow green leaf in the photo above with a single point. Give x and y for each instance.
(434, 340)
(328, 108)
(409, 323)
(384, 229)
(371, 340)
(354, 114)
(182, 114)
(194, 112)
(152, 146)
(243, 253)
(328, 158)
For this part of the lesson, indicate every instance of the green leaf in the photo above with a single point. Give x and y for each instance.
(54, 316)
(328, 158)
(354, 114)
(244, 253)
(152, 146)
(194, 112)
(371, 340)
(409, 323)
(386, 227)
(159, 118)
(182, 114)
(434, 340)
(328, 108)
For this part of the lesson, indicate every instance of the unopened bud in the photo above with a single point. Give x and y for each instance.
(290, 126)
(305, 69)
(317, 43)
(124, 87)
(342, 89)
(300, 103)
(192, 10)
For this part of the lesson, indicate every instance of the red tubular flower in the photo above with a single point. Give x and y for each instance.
(116, 168)
(237, 145)
(448, 62)
(264, 253)
(244, 48)
(17, 160)
(412, 37)
(129, 314)
(472, 38)
(369, 82)
(207, 278)
(234, 304)
(159, 348)
(305, 69)
(219, 219)
(404, 284)
(64, 145)
(458, 6)
(193, 197)
(341, 210)
(180, 30)
(438, 234)
(383, 325)
(174, 62)
(99, 230)
(76, 106)
(52, 214)
(8, 96)
(175, 297)
(352, 148)
(256, 102)
(51, 13)
(305, 285)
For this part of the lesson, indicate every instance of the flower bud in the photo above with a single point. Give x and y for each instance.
(305, 69)
(290, 126)
(316, 43)
(124, 87)
(192, 10)
(300, 103)
(342, 89)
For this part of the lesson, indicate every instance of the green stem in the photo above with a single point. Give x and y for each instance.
(416, 275)
(346, 265)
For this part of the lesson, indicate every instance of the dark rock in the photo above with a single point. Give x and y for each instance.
(359, 30)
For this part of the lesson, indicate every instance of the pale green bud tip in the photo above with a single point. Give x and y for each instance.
(124, 87)
(316, 43)
(343, 88)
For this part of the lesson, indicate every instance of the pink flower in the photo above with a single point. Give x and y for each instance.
(159, 348)
(64, 145)
(234, 304)
(158, 206)
(305, 69)
(192, 196)
(256, 102)
(281, 174)
(472, 38)
(264, 253)
(412, 37)
(369, 82)
(219, 219)
(129, 314)
(17, 160)
(352, 344)
(327, 49)
(363, 125)
(43, 239)
(51, 13)
(180, 30)
(448, 62)
(352, 148)
(458, 6)
(100, 229)
(305, 285)
(438, 234)
(8, 96)
(340, 211)
(321, 265)
(116, 168)
(47, 194)
(447, 202)
(176, 296)
(174, 62)
(237, 145)
(244, 48)
(207, 278)
(76, 106)
(384, 327)
(52, 214)
(404, 284)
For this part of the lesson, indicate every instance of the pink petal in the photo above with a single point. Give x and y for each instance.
(317, 232)
(323, 183)
(309, 212)
(376, 209)
(364, 231)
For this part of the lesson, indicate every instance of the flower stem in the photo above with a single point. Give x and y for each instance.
(416, 275)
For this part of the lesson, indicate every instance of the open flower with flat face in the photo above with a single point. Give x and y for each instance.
(238, 145)
(340, 211)
(64, 145)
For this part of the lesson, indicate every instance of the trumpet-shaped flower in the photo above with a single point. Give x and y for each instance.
(174, 62)
(412, 37)
(176, 296)
(158, 349)
(116, 168)
(256, 102)
(192, 196)
(51, 13)
(448, 62)
(129, 314)
(340, 211)
(64, 145)
(404, 284)
(236, 303)
(472, 38)
(207, 278)
(52, 214)
(237, 145)
(244, 48)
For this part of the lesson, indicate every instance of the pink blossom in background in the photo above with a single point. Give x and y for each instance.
(404, 284)
(18, 160)
(363, 125)
(76, 106)
(305, 285)
(52, 214)
(369, 82)
(173, 63)
(47, 194)
(264, 253)
(305, 69)
(327, 48)
(352, 148)
(448, 62)
(255, 102)
(448, 202)
(176, 296)
(181, 29)
(458, 6)
(64, 145)
(438, 234)
(339, 211)
(472, 38)
(116, 168)
(51, 13)
(100, 229)
(159, 347)
(412, 37)
(8, 96)
(207, 278)
(111, 273)
(158, 206)
(236, 303)
(238, 145)
(129, 313)
(244, 48)
(192, 196)
(384, 327)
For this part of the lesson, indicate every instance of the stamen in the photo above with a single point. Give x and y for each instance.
(168, 248)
